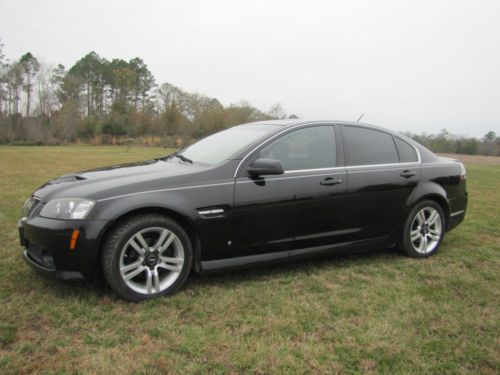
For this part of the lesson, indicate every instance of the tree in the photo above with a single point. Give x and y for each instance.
(30, 67)
(14, 80)
(91, 69)
(2, 72)
(57, 80)
(144, 81)
(490, 136)
(277, 112)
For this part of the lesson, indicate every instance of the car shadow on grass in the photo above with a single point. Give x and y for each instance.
(290, 267)
(96, 291)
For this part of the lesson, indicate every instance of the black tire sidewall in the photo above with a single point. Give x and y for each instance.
(118, 239)
(406, 243)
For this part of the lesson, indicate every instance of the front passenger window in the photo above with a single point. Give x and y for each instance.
(308, 148)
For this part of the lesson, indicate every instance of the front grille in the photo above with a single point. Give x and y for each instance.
(40, 256)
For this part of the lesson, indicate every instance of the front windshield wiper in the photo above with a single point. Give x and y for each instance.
(182, 157)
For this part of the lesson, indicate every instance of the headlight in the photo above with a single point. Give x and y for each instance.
(67, 208)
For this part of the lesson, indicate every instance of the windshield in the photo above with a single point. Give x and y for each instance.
(223, 145)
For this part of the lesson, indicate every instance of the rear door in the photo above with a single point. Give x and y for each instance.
(300, 208)
(382, 172)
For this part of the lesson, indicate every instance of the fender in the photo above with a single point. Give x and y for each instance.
(111, 210)
(428, 189)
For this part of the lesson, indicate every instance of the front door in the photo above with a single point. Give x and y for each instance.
(302, 207)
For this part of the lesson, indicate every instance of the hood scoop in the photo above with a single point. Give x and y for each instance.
(68, 178)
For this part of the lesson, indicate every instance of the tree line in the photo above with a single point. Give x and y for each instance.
(101, 101)
(447, 142)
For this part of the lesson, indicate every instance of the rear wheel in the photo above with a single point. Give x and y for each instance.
(424, 230)
(147, 256)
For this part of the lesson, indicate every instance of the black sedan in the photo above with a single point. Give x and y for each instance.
(254, 193)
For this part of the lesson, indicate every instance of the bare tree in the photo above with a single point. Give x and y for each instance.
(47, 86)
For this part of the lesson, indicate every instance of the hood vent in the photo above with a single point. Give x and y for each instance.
(68, 178)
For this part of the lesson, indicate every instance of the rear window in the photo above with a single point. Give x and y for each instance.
(367, 146)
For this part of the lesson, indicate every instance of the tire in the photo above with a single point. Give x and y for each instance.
(146, 256)
(421, 241)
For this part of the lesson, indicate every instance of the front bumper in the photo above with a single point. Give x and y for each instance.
(46, 245)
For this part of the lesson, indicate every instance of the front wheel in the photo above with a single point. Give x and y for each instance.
(424, 230)
(147, 256)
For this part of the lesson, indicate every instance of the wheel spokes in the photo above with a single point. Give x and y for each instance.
(131, 266)
(432, 218)
(171, 264)
(427, 231)
(434, 237)
(149, 281)
(167, 241)
(134, 273)
(423, 244)
(156, 280)
(137, 247)
(415, 234)
(150, 271)
(421, 217)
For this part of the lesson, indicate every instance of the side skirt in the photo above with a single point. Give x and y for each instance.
(310, 252)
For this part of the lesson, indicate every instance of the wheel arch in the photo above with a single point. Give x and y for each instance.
(181, 219)
(436, 193)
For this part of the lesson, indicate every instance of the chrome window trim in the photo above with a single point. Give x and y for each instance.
(416, 164)
(332, 123)
(247, 179)
(439, 165)
(314, 170)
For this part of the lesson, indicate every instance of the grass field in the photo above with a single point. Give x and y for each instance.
(368, 313)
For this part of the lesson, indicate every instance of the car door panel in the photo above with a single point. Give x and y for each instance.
(297, 209)
(377, 197)
(379, 184)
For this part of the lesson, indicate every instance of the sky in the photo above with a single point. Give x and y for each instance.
(416, 66)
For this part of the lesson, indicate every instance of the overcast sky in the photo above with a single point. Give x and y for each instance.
(408, 65)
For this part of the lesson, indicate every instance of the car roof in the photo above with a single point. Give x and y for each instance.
(293, 122)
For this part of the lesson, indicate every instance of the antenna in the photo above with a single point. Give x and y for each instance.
(360, 117)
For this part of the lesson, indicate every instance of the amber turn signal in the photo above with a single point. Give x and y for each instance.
(74, 237)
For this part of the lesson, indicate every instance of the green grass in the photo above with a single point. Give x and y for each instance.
(367, 313)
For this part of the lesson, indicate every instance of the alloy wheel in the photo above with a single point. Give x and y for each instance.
(426, 230)
(151, 260)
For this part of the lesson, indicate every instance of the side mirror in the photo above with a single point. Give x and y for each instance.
(263, 167)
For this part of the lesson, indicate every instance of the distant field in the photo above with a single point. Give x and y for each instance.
(474, 159)
(367, 313)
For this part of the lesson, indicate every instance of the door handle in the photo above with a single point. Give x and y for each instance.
(331, 181)
(407, 174)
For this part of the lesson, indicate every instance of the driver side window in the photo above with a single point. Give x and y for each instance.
(309, 148)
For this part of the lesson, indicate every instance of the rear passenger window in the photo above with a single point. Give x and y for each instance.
(367, 146)
(406, 152)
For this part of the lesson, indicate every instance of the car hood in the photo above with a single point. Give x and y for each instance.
(121, 179)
